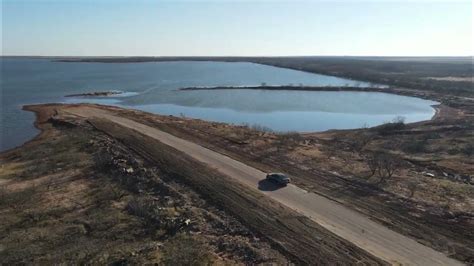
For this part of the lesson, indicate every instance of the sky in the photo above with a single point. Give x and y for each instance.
(236, 28)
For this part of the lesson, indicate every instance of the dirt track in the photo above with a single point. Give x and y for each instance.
(340, 220)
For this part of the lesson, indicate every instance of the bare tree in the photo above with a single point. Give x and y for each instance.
(361, 141)
(399, 120)
(388, 164)
(372, 163)
(384, 164)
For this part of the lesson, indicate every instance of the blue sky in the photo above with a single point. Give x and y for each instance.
(167, 28)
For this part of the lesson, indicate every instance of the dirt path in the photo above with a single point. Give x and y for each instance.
(342, 221)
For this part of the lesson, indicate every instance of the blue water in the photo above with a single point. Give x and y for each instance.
(153, 87)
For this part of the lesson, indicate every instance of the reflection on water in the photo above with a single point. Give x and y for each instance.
(153, 87)
(282, 121)
(290, 110)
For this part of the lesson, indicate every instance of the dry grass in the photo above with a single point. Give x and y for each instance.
(296, 236)
(333, 163)
(49, 213)
(59, 205)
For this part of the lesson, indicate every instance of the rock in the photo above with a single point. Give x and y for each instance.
(428, 174)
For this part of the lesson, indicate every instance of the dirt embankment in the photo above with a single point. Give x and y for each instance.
(75, 195)
(429, 197)
(119, 197)
(297, 236)
(435, 209)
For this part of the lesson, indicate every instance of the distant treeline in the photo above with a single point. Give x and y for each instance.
(408, 72)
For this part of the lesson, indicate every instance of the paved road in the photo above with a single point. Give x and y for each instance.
(342, 221)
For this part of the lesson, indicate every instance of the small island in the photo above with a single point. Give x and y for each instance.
(292, 87)
(95, 94)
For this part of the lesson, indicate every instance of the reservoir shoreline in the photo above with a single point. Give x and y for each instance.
(245, 143)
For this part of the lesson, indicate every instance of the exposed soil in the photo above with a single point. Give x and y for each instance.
(297, 236)
(75, 194)
(71, 196)
(429, 197)
(437, 211)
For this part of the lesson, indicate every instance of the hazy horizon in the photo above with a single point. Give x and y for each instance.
(74, 28)
(237, 56)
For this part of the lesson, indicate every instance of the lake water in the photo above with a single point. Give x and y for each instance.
(153, 87)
